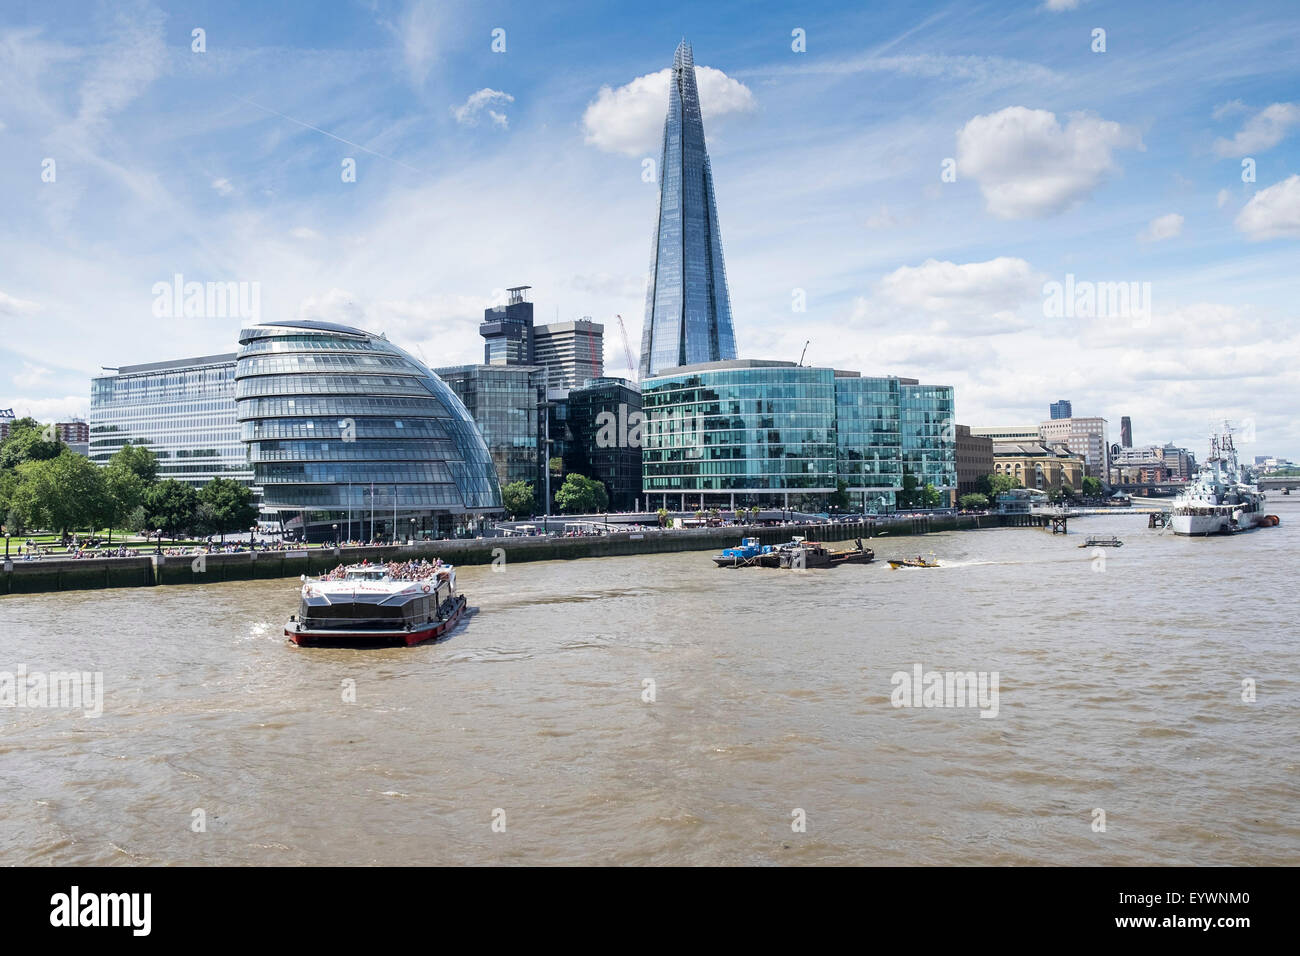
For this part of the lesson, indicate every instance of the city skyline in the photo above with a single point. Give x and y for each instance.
(830, 164)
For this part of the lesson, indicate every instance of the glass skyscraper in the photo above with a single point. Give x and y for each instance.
(343, 425)
(688, 309)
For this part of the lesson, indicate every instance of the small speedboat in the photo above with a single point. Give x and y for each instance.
(918, 562)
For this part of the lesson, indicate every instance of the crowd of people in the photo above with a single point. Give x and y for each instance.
(423, 570)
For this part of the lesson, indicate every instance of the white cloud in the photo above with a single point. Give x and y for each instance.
(1262, 131)
(50, 409)
(937, 286)
(1273, 212)
(223, 186)
(31, 376)
(1162, 227)
(1056, 6)
(1222, 198)
(16, 307)
(630, 119)
(1028, 166)
(302, 232)
(1229, 109)
(467, 114)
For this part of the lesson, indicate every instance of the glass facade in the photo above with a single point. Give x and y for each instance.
(504, 402)
(745, 428)
(183, 411)
(603, 418)
(688, 308)
(760, 431)
(868, 439)
(929, 435)
(341, 422)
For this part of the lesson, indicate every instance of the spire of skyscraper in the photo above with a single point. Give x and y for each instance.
(687, 309)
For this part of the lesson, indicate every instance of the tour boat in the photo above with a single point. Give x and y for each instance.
(797, 554)
(1222, 499)
(365, 605)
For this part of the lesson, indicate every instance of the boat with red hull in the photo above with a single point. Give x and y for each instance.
(377, 605)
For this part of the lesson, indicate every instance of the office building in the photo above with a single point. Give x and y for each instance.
(1126, 432)
(507, 330)
(1060, 409)
(974, 459)
(688, 307)
(506, 403)
(1083, 436)
(746, 431)
(181, 410)
(605, 424)
(571, 352)
(343, 426)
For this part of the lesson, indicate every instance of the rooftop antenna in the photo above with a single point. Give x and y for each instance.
(804, 352)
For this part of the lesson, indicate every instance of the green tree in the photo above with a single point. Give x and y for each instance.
(840, 498)
(930, 496)
(170, 506)
(662, 514)
(1091, 486)
(61, 494)
(125, 490)
(138, 460)
(999, 484)
(581, 495)
(518, 498)
(973, 502)
(26, 442)
(907, 498)
(137, 520)
(230, 506)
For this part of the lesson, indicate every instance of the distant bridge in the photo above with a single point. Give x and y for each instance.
(1291, 482)
(1154, 489)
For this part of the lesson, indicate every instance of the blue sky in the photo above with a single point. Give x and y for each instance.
(477, 170)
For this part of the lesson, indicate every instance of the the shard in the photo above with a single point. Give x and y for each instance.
(687, 310)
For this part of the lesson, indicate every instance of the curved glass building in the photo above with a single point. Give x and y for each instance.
(344, 428)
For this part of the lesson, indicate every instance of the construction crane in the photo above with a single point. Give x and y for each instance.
(805, 351)
(627, 347)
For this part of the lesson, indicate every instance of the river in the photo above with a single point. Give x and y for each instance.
(530, 736)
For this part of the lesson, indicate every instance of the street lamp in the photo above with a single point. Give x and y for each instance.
(6, 545)
(412, 530)
(336, 534)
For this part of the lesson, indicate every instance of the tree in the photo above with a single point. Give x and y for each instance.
(973, 502)
(1091, 486)
(230, 506)
(840, 498)
(518, 498)
(170, 506)
(662, 514)
(61, 494)
(26, 442)
(138, 460)
(579, 495)
(125, 490)
(930, 496)
(137, 520)
(907, 497)
(1000, 484)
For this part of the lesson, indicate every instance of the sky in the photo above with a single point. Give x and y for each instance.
(908, 188)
